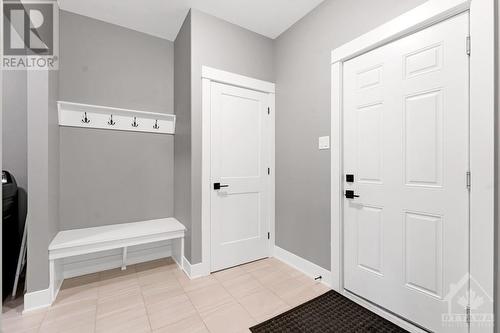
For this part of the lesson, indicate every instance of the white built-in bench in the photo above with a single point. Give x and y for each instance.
(70, 243)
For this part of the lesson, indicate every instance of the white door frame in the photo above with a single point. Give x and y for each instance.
(482, 128)
(210, 75)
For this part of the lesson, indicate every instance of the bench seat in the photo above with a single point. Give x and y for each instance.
(89, 240)
(69, 243)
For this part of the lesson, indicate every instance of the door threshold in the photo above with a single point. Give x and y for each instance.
(384, 313)
(242, 264)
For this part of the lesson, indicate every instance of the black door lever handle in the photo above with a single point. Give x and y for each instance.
(349, 194)
(218, 186)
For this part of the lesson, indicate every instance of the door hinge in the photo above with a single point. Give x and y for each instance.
(268, 235)
(268, 171)
(468, 179)
(268, 110)
(467, 45)
(467, 314)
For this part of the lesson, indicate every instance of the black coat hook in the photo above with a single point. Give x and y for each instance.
(135, 124)
(155, 126)
(85, 119)
(111, 122)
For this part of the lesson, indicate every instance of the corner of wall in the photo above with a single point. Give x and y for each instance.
(182, 142)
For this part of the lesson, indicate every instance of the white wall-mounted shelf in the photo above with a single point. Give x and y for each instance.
(73, 115)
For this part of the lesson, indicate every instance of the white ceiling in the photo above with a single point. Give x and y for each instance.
(163, 18)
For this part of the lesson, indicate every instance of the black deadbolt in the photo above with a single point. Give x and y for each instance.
(349, 178)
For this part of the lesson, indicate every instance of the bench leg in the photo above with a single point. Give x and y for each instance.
(124, 260)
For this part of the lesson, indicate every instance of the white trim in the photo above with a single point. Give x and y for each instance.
(193, 271)
(421, 17)
(482, 149)
(312, 270)
(482, 127)
(210, 75)
(71, 115)
(221, 76)
(336, 192)
(272, 176)
(308, 268)
(206, 153)
(37, 300)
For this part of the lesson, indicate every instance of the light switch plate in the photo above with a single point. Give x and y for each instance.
(324, 142)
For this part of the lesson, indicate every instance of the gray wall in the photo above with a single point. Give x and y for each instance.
(106, 64)
(302, 65)
(43, 175)
(15, 126)
(14, 133)
(182, 146)
(112, 177)
(222, 45)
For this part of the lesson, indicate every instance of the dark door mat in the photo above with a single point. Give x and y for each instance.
(330, 312)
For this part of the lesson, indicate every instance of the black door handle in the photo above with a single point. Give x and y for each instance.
(218, 186)
(349, 194)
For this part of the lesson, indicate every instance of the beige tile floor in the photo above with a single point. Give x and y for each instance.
(158, 297)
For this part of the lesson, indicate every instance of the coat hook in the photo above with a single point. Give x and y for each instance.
(135, 124)
(155, 126)
(85, 119)
(111, 122)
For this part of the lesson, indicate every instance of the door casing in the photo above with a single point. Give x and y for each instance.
(210, 75)
(482, 135)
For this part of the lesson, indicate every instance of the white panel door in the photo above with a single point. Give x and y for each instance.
(240, 158)
(406, 144)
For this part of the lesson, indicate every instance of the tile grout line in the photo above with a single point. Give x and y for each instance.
(143, 300)
(191, 302)
(144, 304)
(43, 320)
(262, 285)
(237, 301)
(274, 268)
(272, 291)
(97, 301)
(177, 321)
(146, 308)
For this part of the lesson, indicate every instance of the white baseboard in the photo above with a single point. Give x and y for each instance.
(101, 261)
(37, 300)
(313, 270)
(308, 268)
(193, 271)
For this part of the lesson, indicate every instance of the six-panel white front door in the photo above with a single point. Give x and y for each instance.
(406, 123)
(240, 155)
